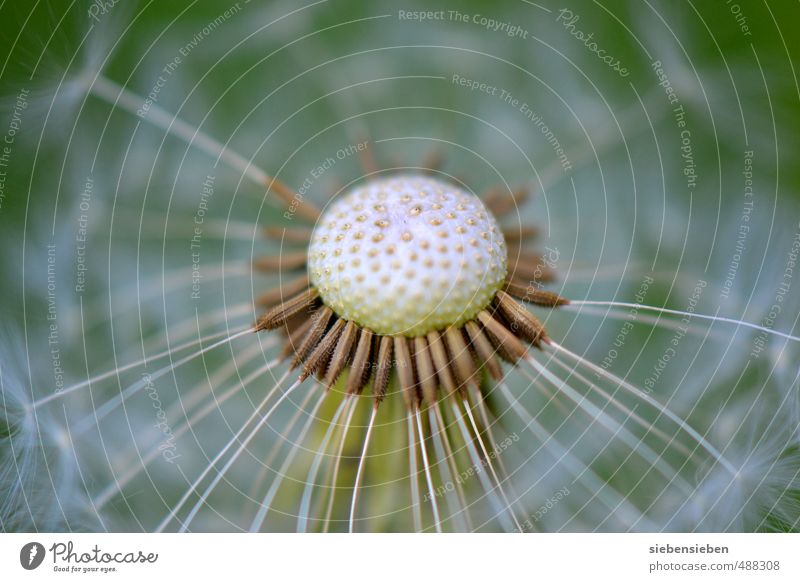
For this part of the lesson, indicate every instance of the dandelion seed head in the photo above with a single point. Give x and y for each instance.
(415, 267)
(465, 433)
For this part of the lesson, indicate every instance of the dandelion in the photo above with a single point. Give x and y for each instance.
(409, 351)
(422, 291)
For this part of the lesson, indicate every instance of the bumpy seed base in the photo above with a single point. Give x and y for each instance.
(406, 255)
